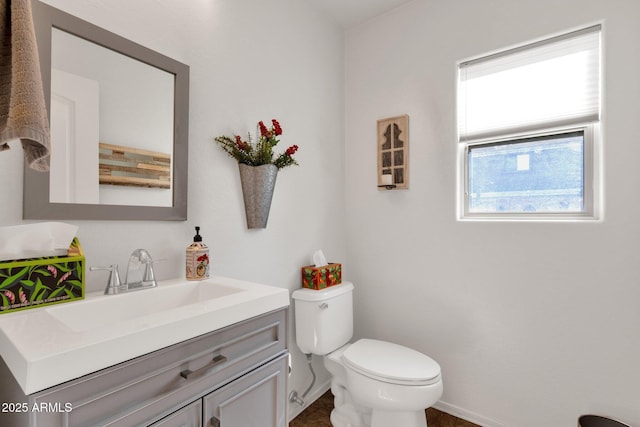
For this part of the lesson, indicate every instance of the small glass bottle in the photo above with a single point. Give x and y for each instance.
(197, 259)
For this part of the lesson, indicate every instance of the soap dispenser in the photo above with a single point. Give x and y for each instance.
(197, 259)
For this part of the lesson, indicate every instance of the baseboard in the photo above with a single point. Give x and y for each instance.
(456, 411)
(295, 409)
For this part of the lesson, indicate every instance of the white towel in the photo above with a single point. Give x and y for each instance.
(23, 112)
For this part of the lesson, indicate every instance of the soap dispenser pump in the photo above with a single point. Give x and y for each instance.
(197, 258)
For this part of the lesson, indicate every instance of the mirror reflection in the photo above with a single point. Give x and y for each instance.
(111, 126)
(119, 125)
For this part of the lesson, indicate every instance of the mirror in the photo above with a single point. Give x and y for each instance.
(119, 126)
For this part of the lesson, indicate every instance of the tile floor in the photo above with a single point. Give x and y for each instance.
(317, 415)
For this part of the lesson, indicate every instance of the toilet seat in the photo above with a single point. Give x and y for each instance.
(391, 363)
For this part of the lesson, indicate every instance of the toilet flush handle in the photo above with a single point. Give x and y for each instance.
(323, 306)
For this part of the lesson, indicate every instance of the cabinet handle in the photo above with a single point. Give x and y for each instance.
(216, 361)
(215, 422)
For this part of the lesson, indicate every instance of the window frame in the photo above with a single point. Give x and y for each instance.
(591, 176)
(593, 206)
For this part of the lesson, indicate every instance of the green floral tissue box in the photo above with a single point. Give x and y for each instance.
(35, 282)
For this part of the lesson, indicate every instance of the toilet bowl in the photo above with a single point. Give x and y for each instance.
(346, 412)
(375, 383)
(396, 382)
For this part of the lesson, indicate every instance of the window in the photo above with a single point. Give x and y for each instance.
(528, 130)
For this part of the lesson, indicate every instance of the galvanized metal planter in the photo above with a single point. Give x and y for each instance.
(258, 183)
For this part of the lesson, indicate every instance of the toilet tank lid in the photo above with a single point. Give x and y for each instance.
(391, 362)
(305, 294)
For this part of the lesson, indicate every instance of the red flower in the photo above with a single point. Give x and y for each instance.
(263, 129)
(260, 152)
(276, 127)
(291, 150)
(242, 145)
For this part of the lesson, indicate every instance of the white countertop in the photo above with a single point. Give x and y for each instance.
(42, 351)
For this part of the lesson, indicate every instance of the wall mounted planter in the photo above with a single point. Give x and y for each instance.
(258, 183)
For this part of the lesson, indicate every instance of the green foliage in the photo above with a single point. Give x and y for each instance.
(260, 153)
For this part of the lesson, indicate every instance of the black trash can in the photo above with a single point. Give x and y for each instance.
(598, 421)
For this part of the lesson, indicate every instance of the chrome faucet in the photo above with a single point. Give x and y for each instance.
(140, 274)
(114, 285)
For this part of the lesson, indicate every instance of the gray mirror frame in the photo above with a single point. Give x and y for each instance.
(36, 203)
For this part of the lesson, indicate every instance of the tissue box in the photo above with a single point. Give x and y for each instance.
(35, 282)
(321, 277)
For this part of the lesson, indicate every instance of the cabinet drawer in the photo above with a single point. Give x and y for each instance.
(147, 388)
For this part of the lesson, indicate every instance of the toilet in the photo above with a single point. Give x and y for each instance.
(375, 383)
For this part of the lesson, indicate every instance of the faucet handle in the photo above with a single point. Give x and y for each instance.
(113, 283)
(149, 275)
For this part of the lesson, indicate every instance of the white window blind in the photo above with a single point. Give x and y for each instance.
(555, 82)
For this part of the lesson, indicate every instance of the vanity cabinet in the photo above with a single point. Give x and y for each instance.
(235, 376)
(189, 416)
(251, 401)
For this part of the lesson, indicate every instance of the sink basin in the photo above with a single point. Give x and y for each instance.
(46, 346)
(106, 310)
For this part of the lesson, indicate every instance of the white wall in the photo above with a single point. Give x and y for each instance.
(532, 323)
(250, 60)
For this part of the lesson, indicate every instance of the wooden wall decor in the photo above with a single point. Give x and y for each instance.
(393, 153)
(134, 167)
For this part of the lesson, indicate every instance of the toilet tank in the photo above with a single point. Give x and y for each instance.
(324, 318)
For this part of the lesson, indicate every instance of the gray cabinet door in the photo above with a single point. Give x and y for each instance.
(254, 400)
